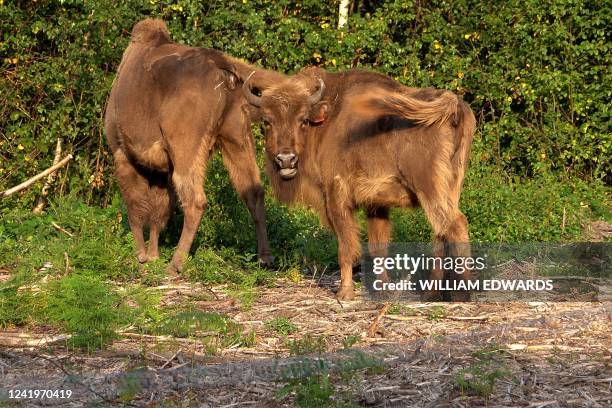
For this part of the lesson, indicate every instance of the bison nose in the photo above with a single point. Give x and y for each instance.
(285, 160)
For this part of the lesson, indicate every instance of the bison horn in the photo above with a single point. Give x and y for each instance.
(249, 95)
(316, 97)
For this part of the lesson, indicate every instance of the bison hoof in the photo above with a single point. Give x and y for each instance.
(142, 257)
(346, 293)
(267, 260)
(175, 266)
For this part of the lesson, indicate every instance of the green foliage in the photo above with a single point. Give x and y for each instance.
(350, 341)
(87, 308)
(18, 307)
(307, 345)
(479, 378)
(535, 73)
(313, 382)
(192, 322)
(315, 391)
(437, 313)
(282, 326)
(543, 209)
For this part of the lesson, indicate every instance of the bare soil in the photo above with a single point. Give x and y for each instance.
(547, 354)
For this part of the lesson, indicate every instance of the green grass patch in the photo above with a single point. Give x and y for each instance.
(86, 307)
(350, 341)
(437, 313)
(307, 344)
(315, 391)
(214, 330)
(282, 326)
(479, 378)
(313, 382)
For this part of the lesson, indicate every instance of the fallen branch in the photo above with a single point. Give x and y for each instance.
(8, 339)
(169, 339)
(40, 203)
(37, 177)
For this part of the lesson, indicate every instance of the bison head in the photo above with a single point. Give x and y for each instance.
(288, 110)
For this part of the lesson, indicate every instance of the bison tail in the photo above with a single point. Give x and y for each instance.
(150, 30)
(423, 112)
(463, 140)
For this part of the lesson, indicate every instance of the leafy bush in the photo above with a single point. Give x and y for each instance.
(535, 73)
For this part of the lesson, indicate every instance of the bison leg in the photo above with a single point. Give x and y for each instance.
(458, 242)
(134, 188)
(240, 162)
(450, 238)
(188, 180)
(161, 199)
(379, 233)
(345, 226)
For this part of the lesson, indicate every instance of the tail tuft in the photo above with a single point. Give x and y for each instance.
(436, 111)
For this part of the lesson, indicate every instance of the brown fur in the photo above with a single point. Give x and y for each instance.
(382, 145)
(170, 105)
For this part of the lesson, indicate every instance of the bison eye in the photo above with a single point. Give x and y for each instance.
(304, 123)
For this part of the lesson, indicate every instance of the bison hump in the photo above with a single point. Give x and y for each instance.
(151, 31)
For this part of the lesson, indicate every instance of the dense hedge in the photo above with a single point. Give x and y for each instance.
(535, 72)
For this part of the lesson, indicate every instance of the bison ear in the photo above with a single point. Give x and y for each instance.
(318, 113)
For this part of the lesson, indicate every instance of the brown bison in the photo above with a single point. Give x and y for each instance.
(343, 141)
(169, 106)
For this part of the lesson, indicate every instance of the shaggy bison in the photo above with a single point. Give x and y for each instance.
(343, 141)
(169, 106)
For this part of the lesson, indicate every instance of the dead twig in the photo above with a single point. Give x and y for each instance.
(171, 358)
(57, 227)
(374, 325)
(37, 177)
(40, 203)
(67, 263)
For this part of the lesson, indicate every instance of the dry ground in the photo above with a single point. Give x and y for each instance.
(538, 354)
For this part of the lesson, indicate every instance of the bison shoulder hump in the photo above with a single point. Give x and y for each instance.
(150, 31)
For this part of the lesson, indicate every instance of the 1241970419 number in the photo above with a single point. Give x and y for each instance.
(39, 394)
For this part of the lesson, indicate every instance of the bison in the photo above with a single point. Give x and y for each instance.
(169, 107)
(343, 141)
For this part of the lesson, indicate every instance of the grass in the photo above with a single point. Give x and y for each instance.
(313, 383)
(479, 377)
(314, 391)
(89, 284)
(437, 313)
(282, 326)
(85, 280)
(307, 344)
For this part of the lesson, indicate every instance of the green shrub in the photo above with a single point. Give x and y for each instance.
(535, 73)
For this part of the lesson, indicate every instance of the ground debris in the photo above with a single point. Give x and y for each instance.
(459, 355)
